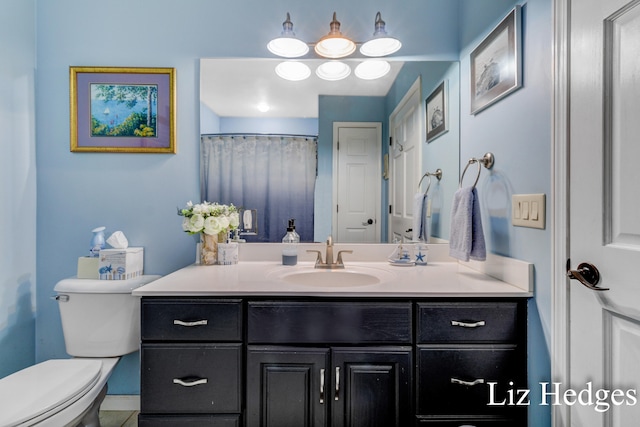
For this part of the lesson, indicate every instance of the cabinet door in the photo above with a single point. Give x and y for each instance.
(188, 420)
(287, 387)
(371, 387)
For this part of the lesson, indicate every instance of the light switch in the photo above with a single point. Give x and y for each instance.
(527, 210)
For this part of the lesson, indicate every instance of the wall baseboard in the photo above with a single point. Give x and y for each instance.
(123, 402)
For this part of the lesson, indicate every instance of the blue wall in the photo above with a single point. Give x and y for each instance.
(443, 152)
(295, 126)
(17, 185)
(517, 130)
(138, 194)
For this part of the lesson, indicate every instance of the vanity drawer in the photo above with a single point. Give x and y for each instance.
(454, 380)
(191, 320)
(478, 322)
(189, 420)
(286, 322)
(211, 376)
(471, 422)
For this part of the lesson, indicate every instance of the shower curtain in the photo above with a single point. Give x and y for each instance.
(274, 174)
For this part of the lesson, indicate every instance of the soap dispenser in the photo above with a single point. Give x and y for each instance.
(290, 241)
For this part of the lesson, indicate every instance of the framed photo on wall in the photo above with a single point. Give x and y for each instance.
(122, 110)
(495, 65)
(436, 111)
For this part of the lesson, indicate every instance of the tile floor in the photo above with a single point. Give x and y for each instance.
(119, 418)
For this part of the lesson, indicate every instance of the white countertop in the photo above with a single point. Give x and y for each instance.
(263, 278)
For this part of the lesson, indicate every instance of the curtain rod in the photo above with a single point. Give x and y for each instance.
(260, 134)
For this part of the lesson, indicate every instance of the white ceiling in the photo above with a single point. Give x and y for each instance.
(234, 88)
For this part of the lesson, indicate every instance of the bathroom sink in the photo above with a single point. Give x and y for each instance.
(347, 277)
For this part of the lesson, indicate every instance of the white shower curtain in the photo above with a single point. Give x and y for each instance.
(274, 174)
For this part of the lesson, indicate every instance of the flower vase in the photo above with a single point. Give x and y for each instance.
(209, 247)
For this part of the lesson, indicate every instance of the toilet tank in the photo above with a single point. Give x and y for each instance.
(100, 318)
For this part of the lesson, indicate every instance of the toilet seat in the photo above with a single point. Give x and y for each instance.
(46, 388)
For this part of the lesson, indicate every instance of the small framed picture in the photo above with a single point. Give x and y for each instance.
(126, 110)
(436, 111)
(496, 63)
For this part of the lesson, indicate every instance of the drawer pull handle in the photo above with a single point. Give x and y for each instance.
(468, 324)
(189, 324)
(337, 396)
(192, 383)
(467, 383)
(321, 386)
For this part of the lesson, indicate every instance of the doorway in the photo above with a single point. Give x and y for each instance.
(404, 158)
(357, 149)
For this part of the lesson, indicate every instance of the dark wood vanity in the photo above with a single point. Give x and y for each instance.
(303, 361)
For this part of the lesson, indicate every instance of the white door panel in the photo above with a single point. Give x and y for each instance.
(357, 192)
(604, 326)
(405, 159)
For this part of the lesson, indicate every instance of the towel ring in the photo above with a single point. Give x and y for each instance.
(437, 174)
(487, 160)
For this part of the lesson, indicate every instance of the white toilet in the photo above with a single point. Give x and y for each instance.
(100, 322)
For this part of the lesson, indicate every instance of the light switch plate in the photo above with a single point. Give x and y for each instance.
(528, 210)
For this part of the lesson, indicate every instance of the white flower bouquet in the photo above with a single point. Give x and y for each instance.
(209, 218)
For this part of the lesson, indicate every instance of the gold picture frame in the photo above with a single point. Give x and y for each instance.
(122, 109)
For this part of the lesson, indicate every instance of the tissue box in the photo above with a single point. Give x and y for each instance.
(87, 267)
(120, 264)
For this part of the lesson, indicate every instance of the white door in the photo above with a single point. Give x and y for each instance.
(357, 184)
(404, 163)
(604, 218)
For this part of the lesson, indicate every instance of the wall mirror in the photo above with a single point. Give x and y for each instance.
(244, 96)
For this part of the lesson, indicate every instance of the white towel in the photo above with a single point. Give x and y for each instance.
(466, 237)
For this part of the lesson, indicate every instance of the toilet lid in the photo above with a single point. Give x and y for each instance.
(47, 386)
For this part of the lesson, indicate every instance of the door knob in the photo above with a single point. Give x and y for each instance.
(368, 222)
(587, 274)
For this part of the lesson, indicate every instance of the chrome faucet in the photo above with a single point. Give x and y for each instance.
(328, 263)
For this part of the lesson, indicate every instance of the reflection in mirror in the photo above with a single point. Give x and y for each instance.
(233, 91)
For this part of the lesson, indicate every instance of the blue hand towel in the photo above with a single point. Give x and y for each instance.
(418, 201)
(424, 224)
(466, 239)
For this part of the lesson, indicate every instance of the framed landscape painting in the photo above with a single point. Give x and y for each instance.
(126, 110)
(496, 63)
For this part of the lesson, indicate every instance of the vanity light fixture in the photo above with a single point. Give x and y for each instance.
(293, 70)
(372, 69)
(334, 45)
(381, 44)
(333, 70)
(287, 45)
